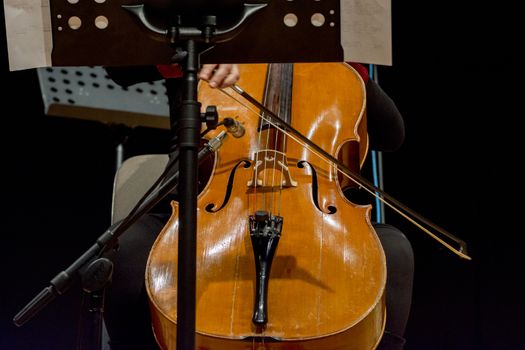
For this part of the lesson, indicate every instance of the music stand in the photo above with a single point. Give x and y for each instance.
(88, 93)
(285, 41)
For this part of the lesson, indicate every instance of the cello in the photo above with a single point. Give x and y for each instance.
(285, 261)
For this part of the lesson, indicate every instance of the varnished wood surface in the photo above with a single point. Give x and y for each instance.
(328, 276)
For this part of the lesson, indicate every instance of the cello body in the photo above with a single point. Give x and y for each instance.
(326, 286)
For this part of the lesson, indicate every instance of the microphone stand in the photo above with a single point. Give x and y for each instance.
(95, 270)
(189, 137)
(188, 132)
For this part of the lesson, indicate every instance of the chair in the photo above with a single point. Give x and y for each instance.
(132, 180)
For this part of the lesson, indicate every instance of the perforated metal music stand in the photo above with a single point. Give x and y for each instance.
(88, 93)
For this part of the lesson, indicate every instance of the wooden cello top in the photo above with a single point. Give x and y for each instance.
(328, 275)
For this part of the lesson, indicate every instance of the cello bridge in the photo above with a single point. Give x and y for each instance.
(271, 160)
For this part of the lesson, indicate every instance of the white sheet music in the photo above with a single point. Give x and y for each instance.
(28, 29)
(366, 31)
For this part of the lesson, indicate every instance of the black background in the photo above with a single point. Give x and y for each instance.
(456, 80)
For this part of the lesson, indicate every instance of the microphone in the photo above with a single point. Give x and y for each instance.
(234, 127)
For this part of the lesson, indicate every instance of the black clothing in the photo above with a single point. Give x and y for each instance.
(385, 125)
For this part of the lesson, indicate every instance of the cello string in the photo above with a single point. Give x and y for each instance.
(269, 180)
(281, 179)
(275, 162)
(274, 167)
(272, 193)
(266, 146)
(278, 136)
(274, 68)
(257, 155)
(398, 207)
